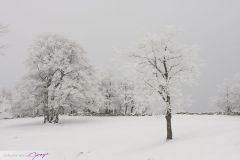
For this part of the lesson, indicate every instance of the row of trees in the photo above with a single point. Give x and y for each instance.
(61, 80)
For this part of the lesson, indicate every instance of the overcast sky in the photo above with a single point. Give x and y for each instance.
(101, 26)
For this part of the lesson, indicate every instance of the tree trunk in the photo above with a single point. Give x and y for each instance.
(169, 118)
(52, 116)
(229, 110)
(46, 111)
(56, 116)
(45, 108)
(126, 108)
(169, 125)
(45, 114)
(168, 102)
(132, 109)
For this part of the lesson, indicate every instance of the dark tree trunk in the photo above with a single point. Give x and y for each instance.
(229, 110)
(169, 119)
(46, 112)
(132, 109)
(169, 126)
(45, 107)
(56, 116)
(168, 102)
(51, 115)
(126, 107)
(120, 108)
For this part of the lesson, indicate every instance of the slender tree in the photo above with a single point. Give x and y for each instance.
(164, 64)
(110, 92)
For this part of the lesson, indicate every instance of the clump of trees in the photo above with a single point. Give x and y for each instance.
(60, 80)
(228, 95)
(122, 96)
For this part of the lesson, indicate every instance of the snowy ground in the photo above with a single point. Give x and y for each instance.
(124, 138)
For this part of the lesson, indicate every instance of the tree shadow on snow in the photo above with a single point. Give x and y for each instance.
(38, 122)
(77, 121)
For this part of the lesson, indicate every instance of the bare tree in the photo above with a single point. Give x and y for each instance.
(165, 64)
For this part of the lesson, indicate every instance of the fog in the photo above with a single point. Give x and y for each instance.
(102, 26)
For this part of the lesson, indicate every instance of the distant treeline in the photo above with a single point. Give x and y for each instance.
(209, 113)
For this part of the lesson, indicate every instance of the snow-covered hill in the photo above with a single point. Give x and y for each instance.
(124, 138)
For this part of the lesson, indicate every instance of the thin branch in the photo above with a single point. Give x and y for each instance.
(3, 29)
(172, 58)
(173, 66)
(177, 72)
(160, 92)
(40, 72)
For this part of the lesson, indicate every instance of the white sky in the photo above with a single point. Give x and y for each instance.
(101, 26)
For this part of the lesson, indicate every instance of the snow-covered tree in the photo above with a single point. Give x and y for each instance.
(109, 90)
(60, 77)
(5, 101)
(144, 100)
(165, 64)
(127, 96)
(228, 95)
(28, 96)
(123, 95)
(133, 95)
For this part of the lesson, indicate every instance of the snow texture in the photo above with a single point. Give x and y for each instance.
(124, 138)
